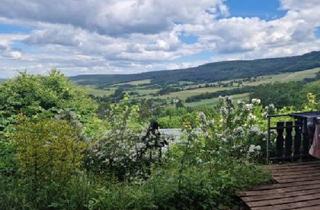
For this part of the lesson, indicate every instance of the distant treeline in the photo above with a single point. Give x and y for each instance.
(212, 72)
(279, 94)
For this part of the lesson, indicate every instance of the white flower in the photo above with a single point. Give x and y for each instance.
(224, 111)
(239, 132)
(203, 117)
(251, 117)
(249, 107)
(211, 123)
(254, 130)
(256, 101)
(254, 148)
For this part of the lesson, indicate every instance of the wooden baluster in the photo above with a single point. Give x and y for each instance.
(280, 139)
(297, 138)
(288, 140)
(306, 139)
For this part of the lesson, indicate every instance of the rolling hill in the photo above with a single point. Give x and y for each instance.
(210, 72)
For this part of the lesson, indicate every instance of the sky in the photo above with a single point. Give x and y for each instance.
(130, 36)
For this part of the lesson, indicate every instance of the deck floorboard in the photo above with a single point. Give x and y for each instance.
(296, 186)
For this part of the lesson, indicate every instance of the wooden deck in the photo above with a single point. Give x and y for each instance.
(297, 186)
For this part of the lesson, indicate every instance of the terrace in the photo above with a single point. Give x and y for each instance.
(296, 180)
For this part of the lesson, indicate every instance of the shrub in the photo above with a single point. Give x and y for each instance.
(41, 96)
(128, 148)
(48, 154)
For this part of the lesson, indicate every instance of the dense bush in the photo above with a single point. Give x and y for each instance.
(41, 96)
(47, 163)
(48, 154)
(124, 151)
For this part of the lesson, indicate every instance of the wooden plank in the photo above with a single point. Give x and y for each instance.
(301, 179)
(298, 187)
(297, 175)
(288, 140)
(280, 195)
(316, 207)
(289, 206)
(284, 185)
(297, 138)
(280, 139)
(297, 170)
(290, 165)
(277, 191)
(302, 171)
(294, 167)
(279, 201)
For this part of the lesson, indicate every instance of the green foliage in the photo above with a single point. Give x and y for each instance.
(48, 153)
(47, 118)
(41, 96)
(124, 151)
(280, 94)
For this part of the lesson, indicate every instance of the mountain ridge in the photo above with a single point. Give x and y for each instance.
(210, 72)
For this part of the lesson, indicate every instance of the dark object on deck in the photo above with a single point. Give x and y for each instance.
(293, 138)
(296, 186)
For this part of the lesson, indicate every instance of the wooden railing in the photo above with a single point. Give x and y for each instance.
(292, 142)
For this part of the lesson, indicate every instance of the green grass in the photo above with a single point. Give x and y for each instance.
(213, 101)
(99, 92)
(136, 83)
(192, 90)
(145, 92)
(183, 95)
(285, 77)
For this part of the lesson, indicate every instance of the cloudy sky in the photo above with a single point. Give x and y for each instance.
(128, 36)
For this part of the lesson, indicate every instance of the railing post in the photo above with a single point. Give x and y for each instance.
(280, 140)
(268, 138)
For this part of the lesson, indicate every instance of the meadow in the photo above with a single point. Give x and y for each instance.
(189, 89)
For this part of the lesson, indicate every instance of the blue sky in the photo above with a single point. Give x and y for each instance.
(129, 36)
(264, 9)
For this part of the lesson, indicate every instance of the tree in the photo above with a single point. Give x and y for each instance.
(42, 96)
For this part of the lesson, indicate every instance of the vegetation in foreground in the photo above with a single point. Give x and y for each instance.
(61, 149)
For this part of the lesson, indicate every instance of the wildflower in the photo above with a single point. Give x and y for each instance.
(270, 109)
(254, 130)
(251, 117)
(203, 117)
(211, 123)
(249, 107)
(224, 111)
(252, 148)
(238, 132)
(255, 101)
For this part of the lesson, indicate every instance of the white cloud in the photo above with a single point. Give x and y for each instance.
(108, 36)
(112, 16)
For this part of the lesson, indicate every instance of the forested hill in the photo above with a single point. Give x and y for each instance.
(212, 72)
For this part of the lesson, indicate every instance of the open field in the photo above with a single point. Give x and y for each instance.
(187, 93)
(138, 82)
(192, 89)
(100, 92)
(213, 101)
(285, 77)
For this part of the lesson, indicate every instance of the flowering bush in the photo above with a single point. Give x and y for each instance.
(128, 148)
(239, 129)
